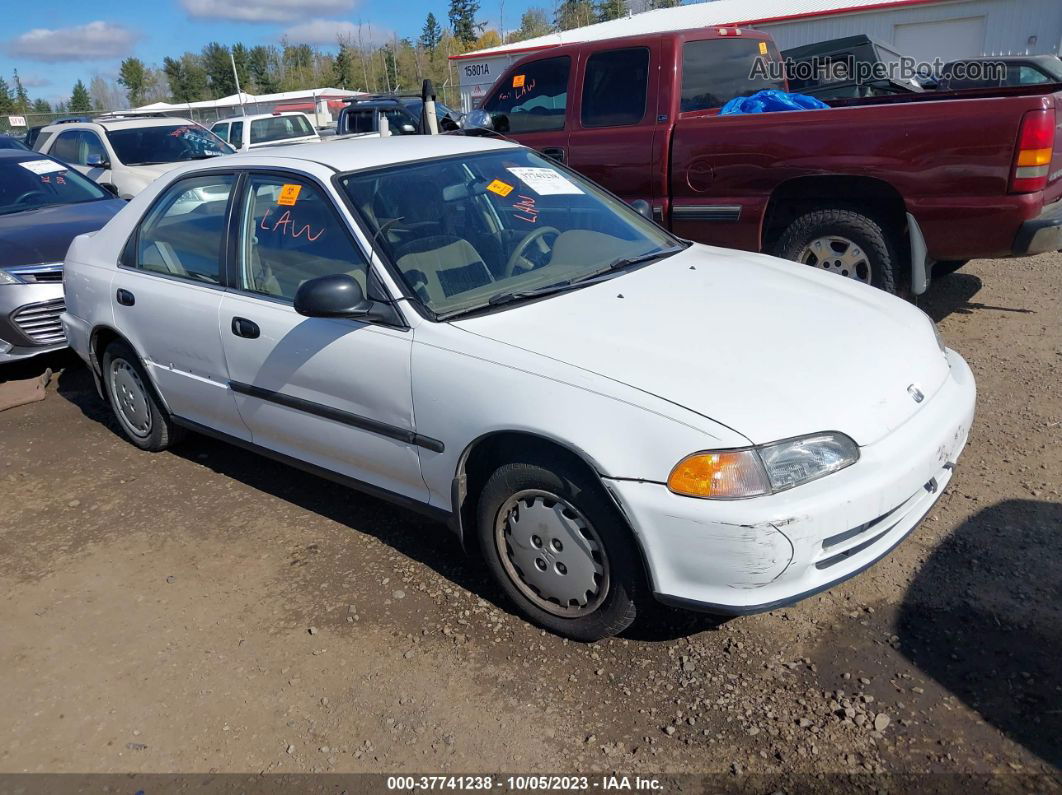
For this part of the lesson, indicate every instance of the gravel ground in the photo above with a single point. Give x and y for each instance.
(208, 610)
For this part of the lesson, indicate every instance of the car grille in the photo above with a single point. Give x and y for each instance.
(51, 273)
(40, 322)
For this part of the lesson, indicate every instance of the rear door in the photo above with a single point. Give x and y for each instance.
(616, 126)
(530, 104)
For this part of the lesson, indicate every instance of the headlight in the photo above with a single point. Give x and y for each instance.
(936, 333)
(769, 468)
(8, 278)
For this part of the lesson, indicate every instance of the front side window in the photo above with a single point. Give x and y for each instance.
(715, 71)
(40, 182)
(290, 232)
(184, 233)
(141, 146)
(221, 130)
(92, 149)
(532, 99)
(467, 231)
(615, 86)
(279, 128)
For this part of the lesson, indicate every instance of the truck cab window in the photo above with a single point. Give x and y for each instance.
(532, 99)
(615, 87)
(714, 71)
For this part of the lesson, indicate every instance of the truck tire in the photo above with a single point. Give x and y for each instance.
(844, 242)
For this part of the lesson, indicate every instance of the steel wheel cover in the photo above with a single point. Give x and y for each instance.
(838, 255)
(129, 398)
(552, 553)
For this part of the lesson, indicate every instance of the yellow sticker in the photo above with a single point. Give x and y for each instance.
(499, 187)
(289, 194)
(763, 48)
(518, 81)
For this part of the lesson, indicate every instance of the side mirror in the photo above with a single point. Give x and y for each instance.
(643, 208)
(408, 128)
(109, 188)
(478, 119)
(338, 295)
(97, 161)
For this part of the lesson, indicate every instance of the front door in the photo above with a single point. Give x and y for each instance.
(335, 393)
(531, 106)
(167, 295)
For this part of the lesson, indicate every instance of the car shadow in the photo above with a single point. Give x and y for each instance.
(419, 538)
(984, 618)
(952, 294)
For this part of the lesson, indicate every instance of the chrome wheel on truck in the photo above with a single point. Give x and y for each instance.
(838, 255)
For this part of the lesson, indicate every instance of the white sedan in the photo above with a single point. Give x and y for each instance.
(463, 326)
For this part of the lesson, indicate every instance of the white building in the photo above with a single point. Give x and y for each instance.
(922, 29)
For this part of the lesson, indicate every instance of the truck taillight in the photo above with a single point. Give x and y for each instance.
(1032, 167)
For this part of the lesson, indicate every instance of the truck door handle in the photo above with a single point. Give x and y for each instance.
(555, 152)
(242, 327)
(124, 297)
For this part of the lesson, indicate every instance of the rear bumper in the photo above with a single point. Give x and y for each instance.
(1041, 234)
(748, 556)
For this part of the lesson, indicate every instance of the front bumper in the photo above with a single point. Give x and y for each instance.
(29, 320)
(1041, 234)
(747, 556)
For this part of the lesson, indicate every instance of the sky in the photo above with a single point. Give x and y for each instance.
(53, 43)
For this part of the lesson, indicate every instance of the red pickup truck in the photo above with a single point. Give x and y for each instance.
(880, 189)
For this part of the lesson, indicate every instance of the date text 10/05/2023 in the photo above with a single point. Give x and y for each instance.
(529, 783)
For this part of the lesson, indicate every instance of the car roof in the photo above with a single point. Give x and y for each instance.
(123, 123)
(364, 153)
(256, 116)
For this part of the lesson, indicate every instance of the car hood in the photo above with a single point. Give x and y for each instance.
(768, 348)
(44, 234)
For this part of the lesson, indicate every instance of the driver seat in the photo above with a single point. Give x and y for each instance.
(439, 266)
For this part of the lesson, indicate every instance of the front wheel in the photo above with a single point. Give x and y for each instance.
(559, 550)
(846, 243)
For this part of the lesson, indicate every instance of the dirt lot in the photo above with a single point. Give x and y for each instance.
(209, 610)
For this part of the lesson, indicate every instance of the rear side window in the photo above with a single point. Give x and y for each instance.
(615, 87)
(359, 121)
(236, 134)
(533, 99)
(279, 128)
(67, 146)
(41, 140)
(184, 234)
(715, 71)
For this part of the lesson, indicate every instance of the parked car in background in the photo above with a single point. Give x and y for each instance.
(44, 204)
(880, 190)
(362, 115)
(1016, 70)
(265, 129)
(839, 68)
(127, 152)
(32, 133)
(468, 328)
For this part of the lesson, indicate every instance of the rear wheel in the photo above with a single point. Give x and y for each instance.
(133, 400)
(559, 549)
(846, 243)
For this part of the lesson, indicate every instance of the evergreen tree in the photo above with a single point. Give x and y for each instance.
(262, 66)
(611, 9)
(134, 77)
(431, 35)
(187, 78)
(80, 100)
(7, 102)
(218, 69)
(41, 106)
(343, 68)
(241, 57)
(22, 100)
(463, 21)
(574, 14)
(533, 23)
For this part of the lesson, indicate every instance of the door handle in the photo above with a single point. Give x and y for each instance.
(124, 297)
(242, 327)
(555, 152)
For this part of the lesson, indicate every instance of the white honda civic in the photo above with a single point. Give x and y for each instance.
(467, 328)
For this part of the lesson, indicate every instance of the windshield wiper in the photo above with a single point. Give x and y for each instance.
(549, 289)
(626, 262)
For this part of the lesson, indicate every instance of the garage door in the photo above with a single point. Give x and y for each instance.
(947, 40)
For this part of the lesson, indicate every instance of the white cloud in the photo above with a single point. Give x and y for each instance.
(92, 42)
(329, 31)
(264, 10)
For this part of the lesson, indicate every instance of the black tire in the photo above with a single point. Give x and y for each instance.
(881, 252)
(623, 583)
(947, 267)
(158, 432)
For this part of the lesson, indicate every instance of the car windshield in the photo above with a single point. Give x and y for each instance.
(141, 146)
(36, 183)
(486, 228)
(279, 128)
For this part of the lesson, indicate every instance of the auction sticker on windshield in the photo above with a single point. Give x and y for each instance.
(42, 166)
(545, 181)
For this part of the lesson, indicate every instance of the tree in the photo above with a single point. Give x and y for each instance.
(186, 76)
(611, 9)
(7, 102)
(241, 57)
(489, 38)
(41, 106)
(22, 100)
(463, 21)
(574, 14)
(533, 23)
(80, 100)
(218, 69)
(343, 67)
(134, 76)
(654, 4)
(431, 35)
(262, 64)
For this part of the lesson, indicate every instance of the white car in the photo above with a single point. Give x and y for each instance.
(126, 153)
(467, 328)
(266, 129)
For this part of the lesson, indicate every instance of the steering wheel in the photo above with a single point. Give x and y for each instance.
(521, 248)
(28, 194)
